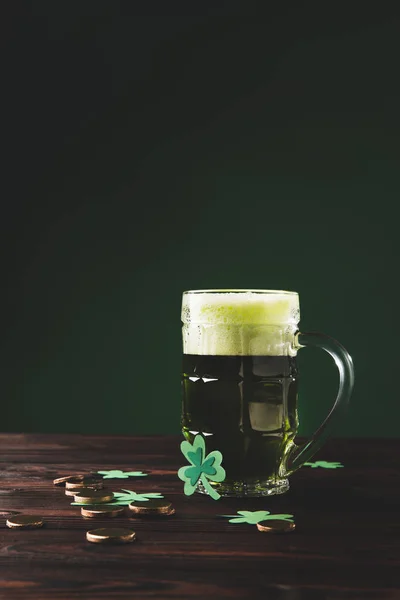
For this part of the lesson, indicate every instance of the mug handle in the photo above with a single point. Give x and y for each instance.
(301, 454)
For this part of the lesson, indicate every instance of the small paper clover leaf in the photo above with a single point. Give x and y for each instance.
(202, 467)
(129, 496)
(252, 517)
(324, 464)
(126, 497)
(117, 474)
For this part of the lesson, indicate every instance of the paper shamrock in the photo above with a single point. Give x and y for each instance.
(126, 497)
(117, 474)
(252, 517)
(129, 496)
(324, 464)
(202, 467)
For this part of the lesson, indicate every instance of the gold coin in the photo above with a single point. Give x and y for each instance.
(24, 522)
(102, 511)
(75, 483)
(277, 526)
(71, 492)
(88, 496)
(8, 513)
(152, 507)
(111, 536)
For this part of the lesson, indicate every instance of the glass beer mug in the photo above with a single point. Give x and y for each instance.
(240, 385)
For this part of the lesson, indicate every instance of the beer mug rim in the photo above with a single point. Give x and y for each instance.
(240, 291)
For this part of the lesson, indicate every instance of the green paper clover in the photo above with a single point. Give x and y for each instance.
(129, 496)
(202, 468)
(252, 517)
(117, 474)
(324, 464)
(126, 497)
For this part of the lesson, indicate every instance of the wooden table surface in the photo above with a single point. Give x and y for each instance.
(346, 544)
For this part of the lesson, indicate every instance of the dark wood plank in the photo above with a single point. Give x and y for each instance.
(345, 545)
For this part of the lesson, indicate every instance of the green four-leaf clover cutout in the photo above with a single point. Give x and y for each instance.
(324, 464)
(252, 517)
(117, 474)
(204, 468)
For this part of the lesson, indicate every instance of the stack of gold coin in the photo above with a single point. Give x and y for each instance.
(87, 482)
(102, 511)
(24, 522)
(76, 484)
(90, 496)
(278, 526)
(152, 508)
(60, 481)
(79, 478)
(111, 536)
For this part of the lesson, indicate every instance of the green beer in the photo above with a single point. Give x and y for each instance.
(239, 379)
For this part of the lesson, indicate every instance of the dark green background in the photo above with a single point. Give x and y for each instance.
(150, 154)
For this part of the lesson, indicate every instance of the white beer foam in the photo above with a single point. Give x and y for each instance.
(240, 323)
